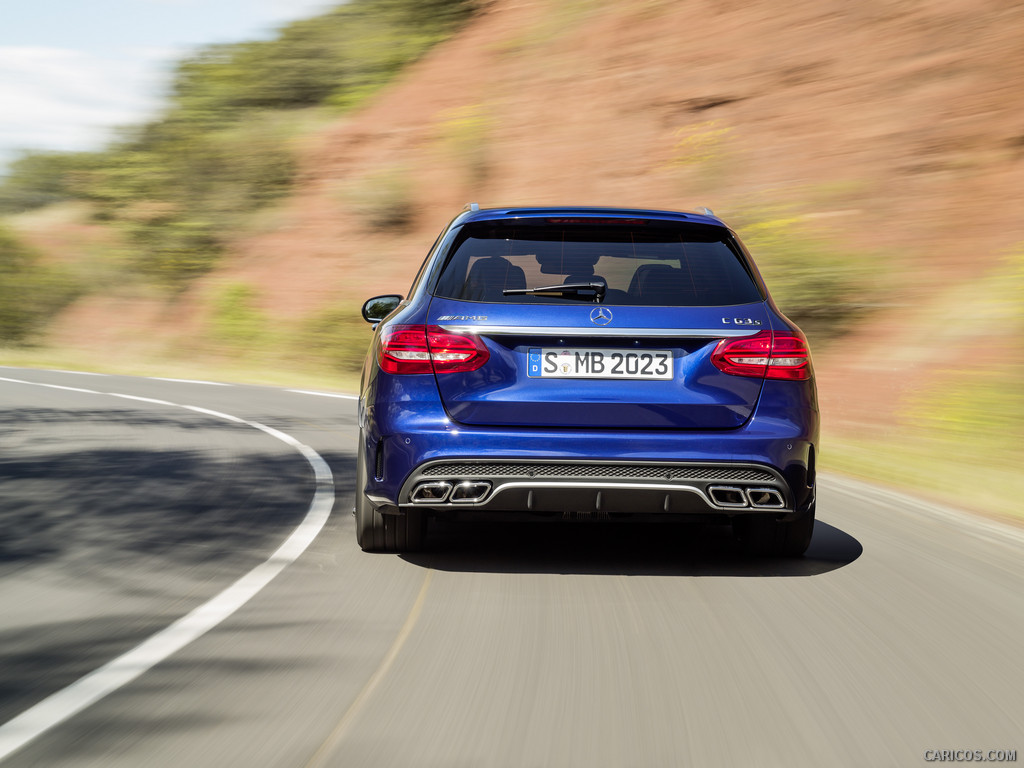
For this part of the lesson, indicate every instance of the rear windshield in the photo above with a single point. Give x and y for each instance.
(674, 266)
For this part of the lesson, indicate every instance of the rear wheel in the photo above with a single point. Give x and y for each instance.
(384, 533)
(764, 536)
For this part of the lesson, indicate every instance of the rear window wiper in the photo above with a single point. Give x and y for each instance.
(595, 288)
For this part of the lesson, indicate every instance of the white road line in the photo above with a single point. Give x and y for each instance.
(53, 386)
(220, 415)
(139, 399)
(69, 701)
(322, 394)
(191, 381)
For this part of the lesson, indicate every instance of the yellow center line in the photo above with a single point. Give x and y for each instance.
(340, 730)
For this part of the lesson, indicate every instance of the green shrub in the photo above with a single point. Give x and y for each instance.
(238, 324)
(699, 143)
(982, 407)
(36, 179)
(465, 134)
(30, 293)
(383, 199)
(822, 287)
(335, 339)
(172, 251)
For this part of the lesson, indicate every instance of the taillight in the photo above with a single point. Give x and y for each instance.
(403, 349)
(455, 352)
(768, 354)
(791, 357)
(429, 349)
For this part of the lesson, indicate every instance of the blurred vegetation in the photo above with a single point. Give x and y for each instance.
(465, 134)
(335, 339)
(332, 341)
(92, 255)
(819, 284)
(984, 405)
(182, 185)
(962, 437)
(699, 143)
(30, 292)
(36, 179)
(238, 323)
(822, 287)
(560, 17)
(383, 199)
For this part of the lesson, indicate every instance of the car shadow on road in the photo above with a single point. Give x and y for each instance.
(665, 549)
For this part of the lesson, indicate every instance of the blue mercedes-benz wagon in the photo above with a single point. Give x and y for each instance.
(586, 363)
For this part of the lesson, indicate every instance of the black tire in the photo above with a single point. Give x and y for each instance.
(763, 536)
(375, 532)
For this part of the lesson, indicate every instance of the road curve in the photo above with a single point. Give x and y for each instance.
(529, 645)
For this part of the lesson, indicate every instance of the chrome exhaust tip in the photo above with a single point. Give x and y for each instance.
(765, 498)
(470, 492)
(431, 493)
(727, 496)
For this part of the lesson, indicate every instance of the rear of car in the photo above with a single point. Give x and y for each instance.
(587, 363)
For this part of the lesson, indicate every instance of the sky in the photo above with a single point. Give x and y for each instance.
(73, 70)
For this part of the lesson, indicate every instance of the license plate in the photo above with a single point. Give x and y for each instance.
(570, 363)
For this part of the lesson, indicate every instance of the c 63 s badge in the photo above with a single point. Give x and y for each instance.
(740, 321)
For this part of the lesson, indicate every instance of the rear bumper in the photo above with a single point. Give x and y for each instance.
(410, 439)
(604, 488)
(735, 473)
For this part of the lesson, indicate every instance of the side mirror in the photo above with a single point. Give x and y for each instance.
(379, 307)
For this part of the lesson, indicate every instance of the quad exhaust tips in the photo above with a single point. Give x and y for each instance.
(476, 491)
(470, 492)
(765, 498)
(431, 493)
(735, 497)
(466, 492)
(727, 496)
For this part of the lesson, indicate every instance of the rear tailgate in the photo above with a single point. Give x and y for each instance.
(628, 367)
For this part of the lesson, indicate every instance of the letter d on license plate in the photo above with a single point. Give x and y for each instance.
(574, 363)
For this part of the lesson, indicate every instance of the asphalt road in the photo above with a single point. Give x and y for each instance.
(526, 645)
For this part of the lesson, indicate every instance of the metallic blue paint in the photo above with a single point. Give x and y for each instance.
(698, 397)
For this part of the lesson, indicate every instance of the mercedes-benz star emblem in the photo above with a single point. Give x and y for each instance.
(601, 316)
